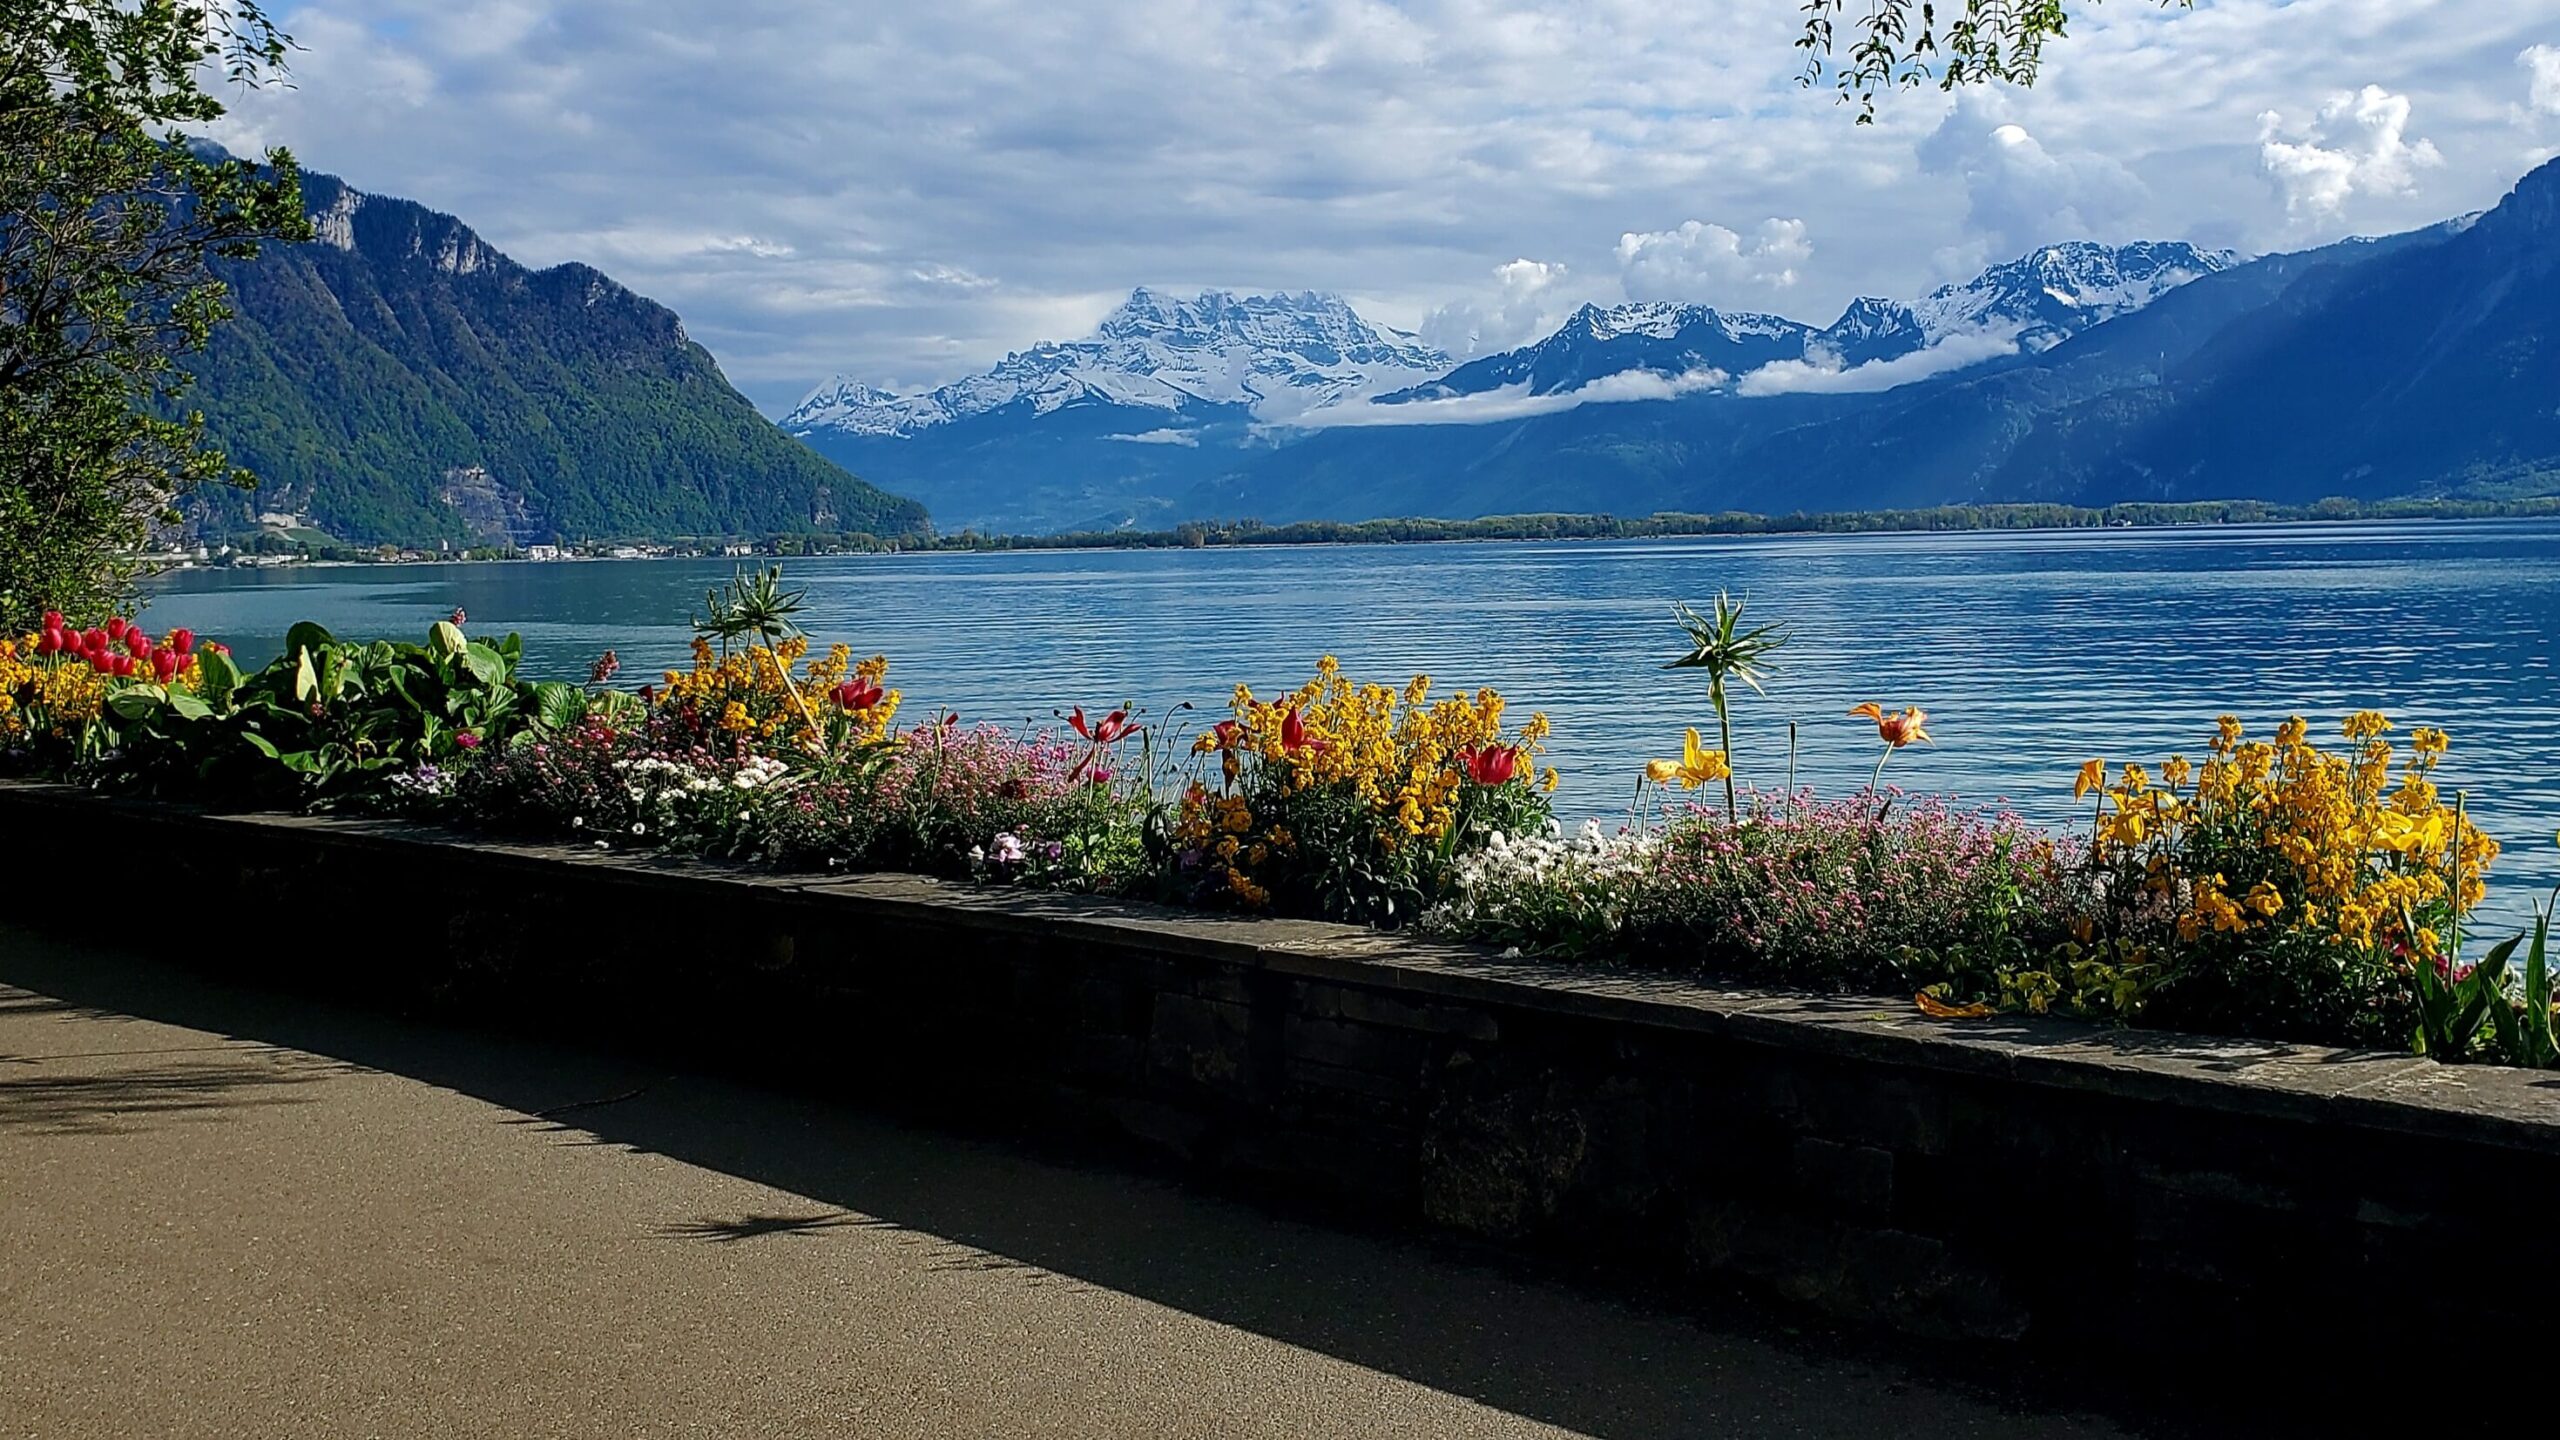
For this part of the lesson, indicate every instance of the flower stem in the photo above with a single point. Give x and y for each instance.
(1724, 733)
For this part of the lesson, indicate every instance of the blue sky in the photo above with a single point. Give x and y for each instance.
(903, 192)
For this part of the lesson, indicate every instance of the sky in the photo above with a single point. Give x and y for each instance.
(903, 192)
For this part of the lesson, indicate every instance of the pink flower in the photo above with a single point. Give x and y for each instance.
(466, 739)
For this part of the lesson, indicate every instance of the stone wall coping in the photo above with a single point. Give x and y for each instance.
(2371, 1090)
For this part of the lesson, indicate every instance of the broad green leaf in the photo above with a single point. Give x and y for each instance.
(485, 664)
(446, 638)
(560, 706)
(136, 701)
(216, 677)
(308, 636)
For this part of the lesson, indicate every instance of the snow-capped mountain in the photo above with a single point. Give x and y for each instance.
(2041, 299)
(2061, 290)
(1274, 357)
(1662, 337)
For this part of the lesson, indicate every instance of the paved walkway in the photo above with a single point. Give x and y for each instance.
(223, 1213)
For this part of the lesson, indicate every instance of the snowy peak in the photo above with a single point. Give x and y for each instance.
(2056, 292)
(1872, 329)
(1271, 357)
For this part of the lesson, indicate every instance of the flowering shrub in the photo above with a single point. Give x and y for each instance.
(1572, 897)
(1353, 801)
(2281, 887)
(664, 782)
(1798, 891)
(760, 694)
(1032, 809)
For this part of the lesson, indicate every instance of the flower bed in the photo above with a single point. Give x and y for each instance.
(2275, 888)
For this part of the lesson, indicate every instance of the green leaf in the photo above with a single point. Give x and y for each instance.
(216, 677)
(134, 702)
(559, 706)
(485, 664)
(306, 679)
(189, 706)
(446, 638)
(308, 636)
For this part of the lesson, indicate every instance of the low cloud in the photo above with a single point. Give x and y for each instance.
(1710, 265)
(2357, 145)
(2543, 62)
(1514, 402)
(1812, 377)
(1522, 308)
(2020, 193)
(1187, 438)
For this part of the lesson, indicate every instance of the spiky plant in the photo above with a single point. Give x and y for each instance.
(758, 605)
(1720, 646)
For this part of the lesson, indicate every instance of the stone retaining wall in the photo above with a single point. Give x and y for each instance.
(2121, 1200)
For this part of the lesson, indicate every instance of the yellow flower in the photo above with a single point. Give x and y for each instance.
(1696, 766)
(2093, 776)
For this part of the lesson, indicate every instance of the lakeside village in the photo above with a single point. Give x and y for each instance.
(286, 540)
(292, 539)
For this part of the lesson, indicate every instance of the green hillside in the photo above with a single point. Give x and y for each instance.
(399, 380)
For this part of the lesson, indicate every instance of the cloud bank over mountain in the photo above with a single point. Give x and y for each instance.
(913, 191)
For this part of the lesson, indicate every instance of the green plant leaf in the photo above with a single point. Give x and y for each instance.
(306, 679)
(216, 677)
(308, 636)
(485, 664)
(559, 706)
(446, 638)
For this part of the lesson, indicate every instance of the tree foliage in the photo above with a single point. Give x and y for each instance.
(1902, 44)
(108, 217)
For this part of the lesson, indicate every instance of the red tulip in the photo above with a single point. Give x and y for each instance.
(95, 641)
(116, 627)
(183, 640)
(1494, 765)
(859, 693)
(1105, 731)
(51, 641)
(164, 665)
(137, 641)
(1293, 734)
(53, 620)
(218, 648)
(124, 667)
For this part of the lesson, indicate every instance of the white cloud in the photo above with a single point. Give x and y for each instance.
(2357, 145)
(2019, 193)
(2544, 63)
(1790, 377)
(1711, 265)
(1523, 308)
(930, 186)
(1189, 439)
(1514, 402)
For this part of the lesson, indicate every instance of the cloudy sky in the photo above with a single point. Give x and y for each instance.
(903, 191)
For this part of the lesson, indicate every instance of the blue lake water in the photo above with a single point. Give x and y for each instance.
(2032, 651)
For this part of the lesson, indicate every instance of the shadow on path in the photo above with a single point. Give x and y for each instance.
(1409, 1307)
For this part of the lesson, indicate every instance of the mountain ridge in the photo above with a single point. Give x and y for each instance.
(398, 379)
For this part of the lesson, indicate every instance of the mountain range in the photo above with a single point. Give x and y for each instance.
(2418, 364)
(398, 379)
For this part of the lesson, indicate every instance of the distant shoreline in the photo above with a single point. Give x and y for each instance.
(1212, 535)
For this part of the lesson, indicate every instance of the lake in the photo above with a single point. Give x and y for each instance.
(2032, 651)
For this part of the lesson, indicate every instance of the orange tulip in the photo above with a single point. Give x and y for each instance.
(1897, 729)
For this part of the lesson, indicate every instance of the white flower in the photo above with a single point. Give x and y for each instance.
(1008, 849)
